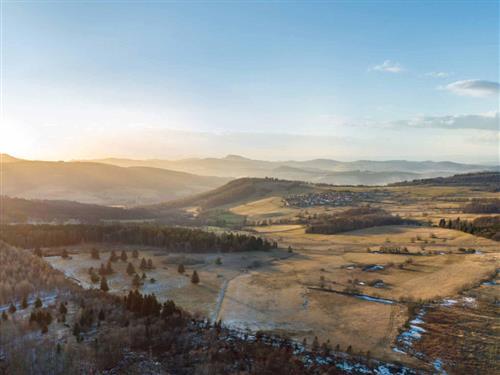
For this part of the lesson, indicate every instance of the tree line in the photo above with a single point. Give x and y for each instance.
(175, 239)
(352, 219)
(484, 226)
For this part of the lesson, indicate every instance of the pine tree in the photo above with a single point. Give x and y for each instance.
(113, 257)
(150, 264)
(101, 315)
(65, 254)
(195, 279)
(136, 281)
(12, 308)
(218, 261)
(38, 303)
(104, 284)
(130, 269)
(143, 265)
(38, 252)
(109, 269)
(24, 303)
(4, 316)
(135, 254)
(123, 256)
(95, 253)
(181, 268)
(315, 344)
(62, 309)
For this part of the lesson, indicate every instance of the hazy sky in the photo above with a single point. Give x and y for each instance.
(280, 80)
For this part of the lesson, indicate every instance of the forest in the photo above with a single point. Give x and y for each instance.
(175, 239)
(483, 206)
(483, 226)
(355, 218)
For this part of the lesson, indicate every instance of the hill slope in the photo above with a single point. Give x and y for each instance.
(484, 180)
(18, 210)
(101, 183)
(237, 192)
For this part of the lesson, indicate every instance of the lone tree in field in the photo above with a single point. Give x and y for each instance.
(130, 269)
(65, 254)
(104, 284)
(12, 308)
(62, 309)
(195, 279)
(94, 253)
(181, 268)
(135, 254)
(123, 256)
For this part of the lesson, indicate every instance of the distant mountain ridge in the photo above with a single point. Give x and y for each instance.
(329, 171)
(99, 183)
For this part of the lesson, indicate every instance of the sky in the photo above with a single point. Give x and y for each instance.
(267, 80)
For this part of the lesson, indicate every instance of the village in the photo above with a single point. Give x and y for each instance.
(334, 198)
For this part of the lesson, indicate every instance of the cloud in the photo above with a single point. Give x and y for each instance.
(389, 67)
(438, 74)
(473, 87)
(484, 121)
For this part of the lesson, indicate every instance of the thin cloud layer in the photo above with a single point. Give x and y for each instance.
(485, 121)
(389, 67)
(438, 74)
(473, 87)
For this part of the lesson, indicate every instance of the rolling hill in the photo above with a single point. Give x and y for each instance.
(98, 183)
(18, 210)
(318, 170)
(237, 192)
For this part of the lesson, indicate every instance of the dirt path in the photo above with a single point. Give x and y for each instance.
(220, 299)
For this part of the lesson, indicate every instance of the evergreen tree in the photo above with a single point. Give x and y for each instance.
(150, 264)
(38, 303)
(113, 257)
(195, 279)
(12, 308)
(62, 309)
(130, 269)
(101, 315)
(181, 268)
(24, 303)
(95, 253)
(136, 281)
(104, 284)
(4, 316)
(143, 265)
(109, 269)
(123, 256)
(38, 252)
(65, 254)
(135, 254)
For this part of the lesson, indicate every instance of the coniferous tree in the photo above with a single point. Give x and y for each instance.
(123, 256)
(95, 253)
(24, 303)
(195, 279)
(135, 254)
(136, 281)
(143, 265)
(12, 308)
(38, 303)
(181, 268)
(130, 269)
(62, 309)
(104, 284)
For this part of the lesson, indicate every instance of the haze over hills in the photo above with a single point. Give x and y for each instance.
(366, 172)
(98, 183)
